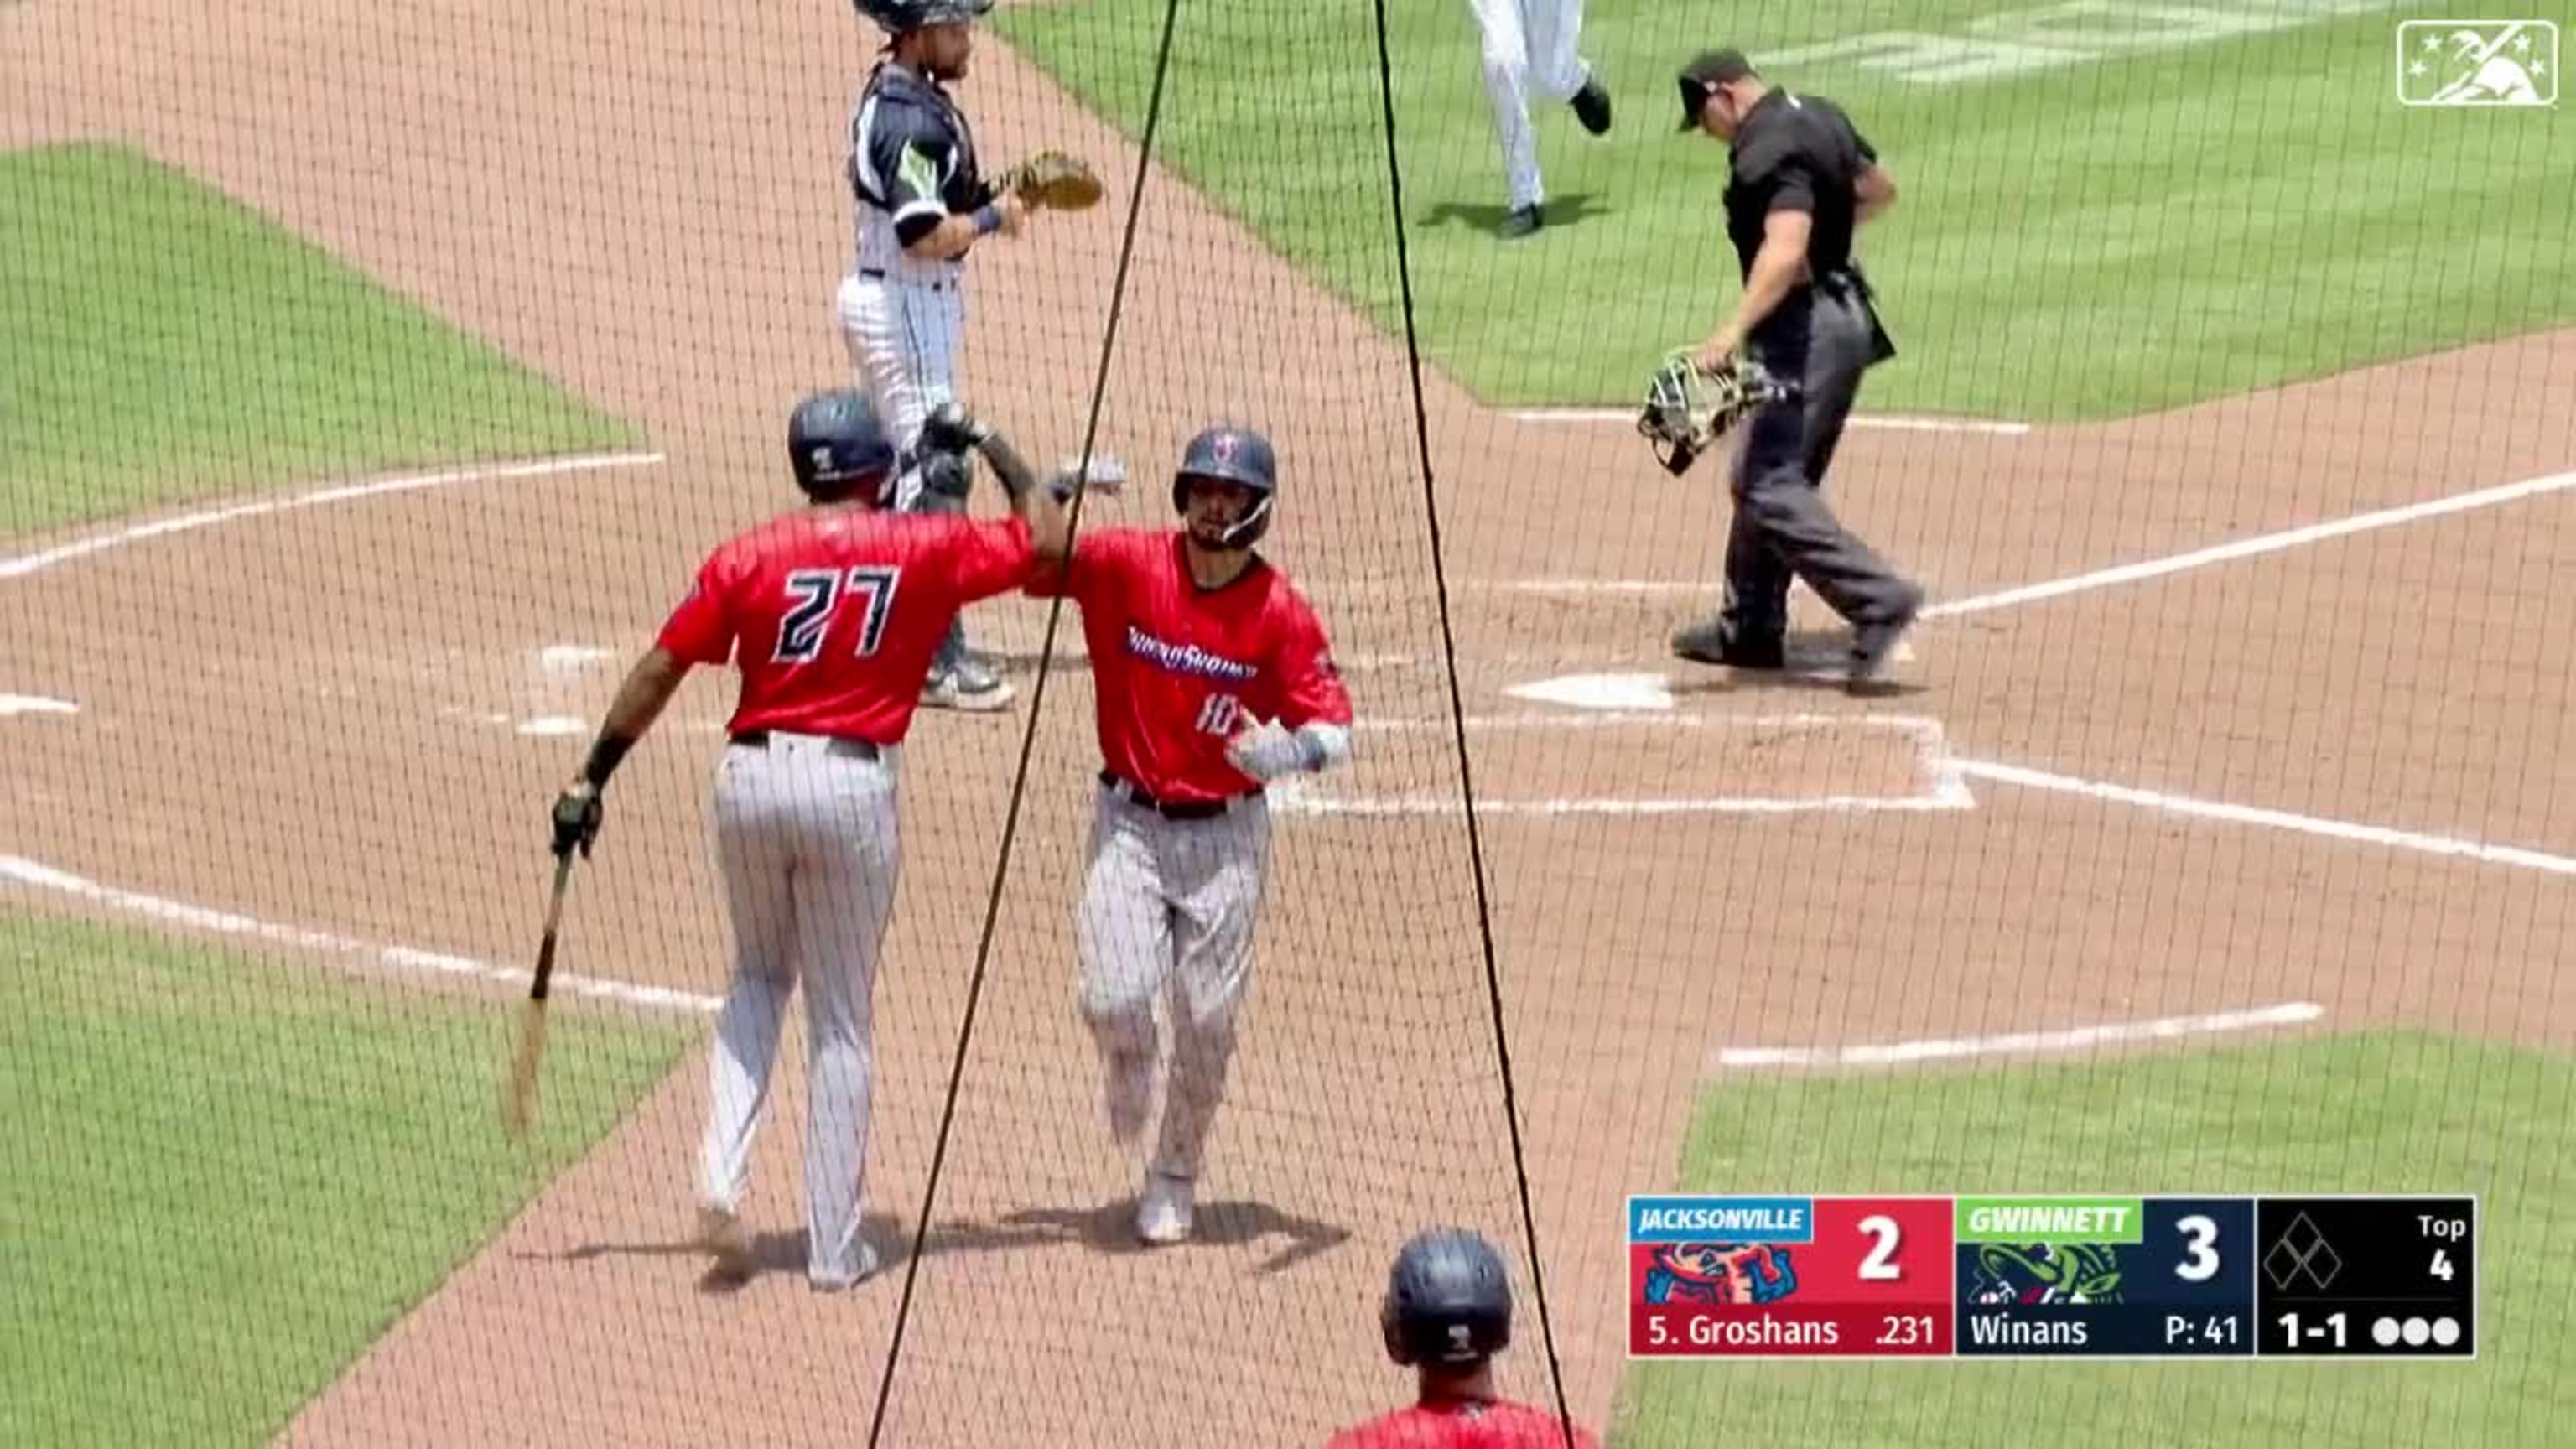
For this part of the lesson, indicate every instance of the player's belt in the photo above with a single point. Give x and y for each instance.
(935, 284)
(1136, 795)
(855, 749)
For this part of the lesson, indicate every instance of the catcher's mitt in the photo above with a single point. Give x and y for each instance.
(1053, 180)
(1687, 411)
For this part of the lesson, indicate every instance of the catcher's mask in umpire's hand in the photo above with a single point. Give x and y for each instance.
(1448, 1300)
(1687, 411)
(839, 449)
(1231, 455)
(895, 17)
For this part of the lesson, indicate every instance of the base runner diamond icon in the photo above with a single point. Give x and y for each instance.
(2477, 63)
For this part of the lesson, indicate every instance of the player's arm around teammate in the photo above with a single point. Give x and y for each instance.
(830, 613)
(1214, 678)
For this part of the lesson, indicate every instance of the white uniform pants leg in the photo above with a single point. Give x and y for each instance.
(1214, 870)
(903, 339)
(809, 843)
(1123, 942)
(1530, 48)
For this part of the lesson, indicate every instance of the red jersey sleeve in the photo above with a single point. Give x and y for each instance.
(1096, 555)
(701, 630)
(992, 556)
(1310, 687)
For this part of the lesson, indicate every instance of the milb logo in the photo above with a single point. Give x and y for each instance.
(2466, 63)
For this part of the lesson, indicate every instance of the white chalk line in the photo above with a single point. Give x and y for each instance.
(2256, 545)
(2022, 1043)
(2250, 547)
(2512, 855)
(398, 960)
(23, 565)
(1879, 422)
(1943, 788)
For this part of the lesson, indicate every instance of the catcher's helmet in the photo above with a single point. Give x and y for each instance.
(838, 448)
(1231, 455)
(895, 17)
(1448, 1300)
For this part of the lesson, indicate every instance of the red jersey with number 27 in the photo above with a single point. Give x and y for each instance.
(1179, 668)
(1463, 1426)
(832, 615)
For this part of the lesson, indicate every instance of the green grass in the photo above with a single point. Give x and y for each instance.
(227, 1176)
(2380, 1113)
(2095, 241)
(165, 343)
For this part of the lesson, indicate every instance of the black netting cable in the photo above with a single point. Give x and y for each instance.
(1028, 736)
(1458, 725)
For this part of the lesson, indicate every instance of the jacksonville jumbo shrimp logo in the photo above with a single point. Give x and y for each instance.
(1720, 1273)
(1186, 658)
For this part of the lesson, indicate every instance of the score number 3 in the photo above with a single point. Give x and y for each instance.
(816, 592)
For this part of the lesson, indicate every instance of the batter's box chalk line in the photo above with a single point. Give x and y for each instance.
(1939, 784)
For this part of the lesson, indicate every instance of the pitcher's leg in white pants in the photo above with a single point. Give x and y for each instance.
(1506, 56)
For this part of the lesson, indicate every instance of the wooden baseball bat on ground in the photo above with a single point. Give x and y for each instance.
(519, 1108)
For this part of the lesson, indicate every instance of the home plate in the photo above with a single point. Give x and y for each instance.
(35, 704)
(1599, 691)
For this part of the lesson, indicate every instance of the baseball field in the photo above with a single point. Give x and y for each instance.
(373, 381)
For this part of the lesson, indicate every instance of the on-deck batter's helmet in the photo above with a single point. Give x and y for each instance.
(1448, 1300)
(1232, 455)
(895, 17)
(838, 448)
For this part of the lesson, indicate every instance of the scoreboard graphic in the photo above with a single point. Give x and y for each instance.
(1957, 1276)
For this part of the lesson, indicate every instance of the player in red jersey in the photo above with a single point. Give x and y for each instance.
(1447, 1312)
(1214, 677)
(831, 614)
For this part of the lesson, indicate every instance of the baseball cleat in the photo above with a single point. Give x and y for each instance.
(841, 1283)
(723, 1237)
(1592, 107)
(968, 686)
(1163, 1211)
(1522, 221)
(1129, 1094)
(1873, 642)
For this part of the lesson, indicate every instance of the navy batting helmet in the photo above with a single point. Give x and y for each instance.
(1448, 1300)
(895, 17)
(1232, 455)
(838, 448)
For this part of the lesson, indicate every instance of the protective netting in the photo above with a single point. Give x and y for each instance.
(373, 382)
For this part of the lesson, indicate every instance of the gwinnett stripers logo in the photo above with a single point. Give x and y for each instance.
(1186, 658)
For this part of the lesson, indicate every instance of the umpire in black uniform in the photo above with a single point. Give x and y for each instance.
(1801, 180)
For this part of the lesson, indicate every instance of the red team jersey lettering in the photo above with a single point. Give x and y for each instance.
(1463, 1426)
(832, 617)
(1189, 663)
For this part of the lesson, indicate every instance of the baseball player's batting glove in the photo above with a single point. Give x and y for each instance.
(1054, 180)
(1688, 411)
(577, 816)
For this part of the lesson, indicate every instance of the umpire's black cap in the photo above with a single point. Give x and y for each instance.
(1706, 72)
